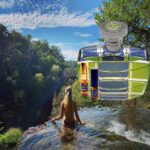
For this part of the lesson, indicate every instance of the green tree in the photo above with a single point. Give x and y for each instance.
(31, 72)
(55, 70)
(39, 78)
(56, 52)
(135, 13)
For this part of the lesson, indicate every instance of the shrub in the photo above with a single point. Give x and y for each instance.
(81, 101)
(10, 138)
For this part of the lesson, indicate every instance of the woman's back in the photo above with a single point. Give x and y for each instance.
(69, 110)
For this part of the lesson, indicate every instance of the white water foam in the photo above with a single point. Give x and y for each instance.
(131, 134)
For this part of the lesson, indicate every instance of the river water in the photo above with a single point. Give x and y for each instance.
(106, 128)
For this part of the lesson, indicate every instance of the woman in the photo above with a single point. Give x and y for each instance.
(68, 109)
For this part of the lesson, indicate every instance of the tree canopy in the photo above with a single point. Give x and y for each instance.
(31, 72)
(135, 13)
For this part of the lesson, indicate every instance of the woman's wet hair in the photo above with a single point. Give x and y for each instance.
(68, 94)
(67, 89)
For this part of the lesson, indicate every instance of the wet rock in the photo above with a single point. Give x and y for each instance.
(32, 130)
(148, 106)
(96, 134)
(98, 106)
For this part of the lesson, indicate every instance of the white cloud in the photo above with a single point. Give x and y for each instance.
(7, 3)
(70, 54)
(34, 20)
(91, 43)
(65, 44)
(35, 39)
(85, 35)
(70, 50)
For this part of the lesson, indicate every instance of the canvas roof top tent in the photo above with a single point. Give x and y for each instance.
(121, 71)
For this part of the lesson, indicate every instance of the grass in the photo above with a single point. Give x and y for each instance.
(115, 137)
(10, 138)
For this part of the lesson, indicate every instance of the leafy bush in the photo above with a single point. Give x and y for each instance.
(57, 100)
(81, 101)
(10, 138)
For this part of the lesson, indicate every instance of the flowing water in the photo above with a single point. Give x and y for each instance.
(106, 128)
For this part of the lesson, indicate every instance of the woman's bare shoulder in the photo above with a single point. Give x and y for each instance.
(62, 103)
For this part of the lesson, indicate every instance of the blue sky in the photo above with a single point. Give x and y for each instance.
(68, 24)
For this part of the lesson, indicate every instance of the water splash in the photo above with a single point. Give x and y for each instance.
(130, 133)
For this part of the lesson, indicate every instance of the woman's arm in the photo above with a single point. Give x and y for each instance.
(60, 113)
(77, 115)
